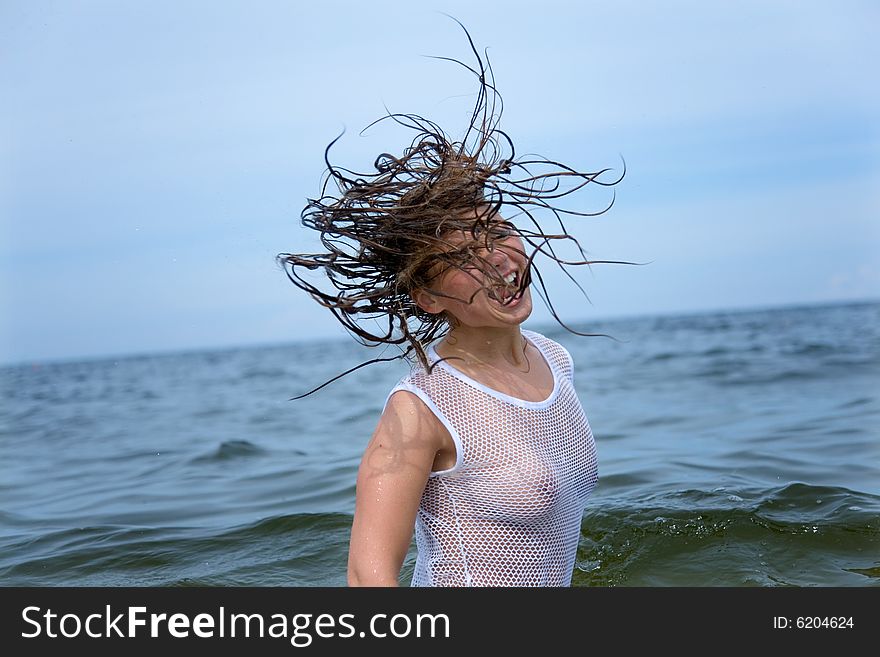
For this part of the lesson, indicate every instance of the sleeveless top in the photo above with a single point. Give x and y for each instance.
(508, 513)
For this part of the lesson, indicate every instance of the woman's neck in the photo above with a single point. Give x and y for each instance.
(486, 346)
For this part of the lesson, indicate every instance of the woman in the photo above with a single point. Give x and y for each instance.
(484, 447)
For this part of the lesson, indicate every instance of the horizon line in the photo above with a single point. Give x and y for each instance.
(150, 353)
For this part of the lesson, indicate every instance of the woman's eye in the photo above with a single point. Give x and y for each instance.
(496, 231)
(504, 229)
(459, 256)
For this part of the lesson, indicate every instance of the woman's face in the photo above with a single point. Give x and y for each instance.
(480, 280)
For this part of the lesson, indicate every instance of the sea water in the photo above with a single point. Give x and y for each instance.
(736, 448)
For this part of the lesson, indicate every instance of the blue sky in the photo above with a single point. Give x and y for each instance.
(156, 155)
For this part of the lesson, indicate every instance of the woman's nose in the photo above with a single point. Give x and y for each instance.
(498, 258)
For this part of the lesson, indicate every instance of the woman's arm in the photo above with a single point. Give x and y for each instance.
(391, 478)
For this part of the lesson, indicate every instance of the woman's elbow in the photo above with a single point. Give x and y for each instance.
(359, 576)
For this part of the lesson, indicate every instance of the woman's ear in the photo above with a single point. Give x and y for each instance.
(426, 301)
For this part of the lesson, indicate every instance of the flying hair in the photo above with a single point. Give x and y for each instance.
(385, 233)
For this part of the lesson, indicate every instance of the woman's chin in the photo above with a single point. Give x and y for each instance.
(488, 312)
(517, 308)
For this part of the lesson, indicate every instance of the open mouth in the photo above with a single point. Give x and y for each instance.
(511, 290)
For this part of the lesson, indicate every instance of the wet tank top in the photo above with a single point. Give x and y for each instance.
(508, 513)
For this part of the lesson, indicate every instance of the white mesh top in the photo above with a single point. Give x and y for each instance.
(508, 513)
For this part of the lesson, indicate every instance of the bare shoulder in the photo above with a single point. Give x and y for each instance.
(406, 418)
(408, 443)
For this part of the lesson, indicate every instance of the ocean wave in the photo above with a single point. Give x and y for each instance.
(796, 534)
(231, 449)
(276, 551)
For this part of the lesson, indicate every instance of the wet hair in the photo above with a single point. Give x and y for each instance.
(385, 232)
